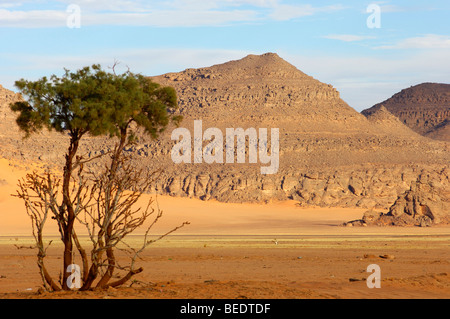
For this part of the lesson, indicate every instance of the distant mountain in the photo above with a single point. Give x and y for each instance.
(425, 108)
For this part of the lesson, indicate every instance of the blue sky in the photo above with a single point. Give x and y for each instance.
(329, 40)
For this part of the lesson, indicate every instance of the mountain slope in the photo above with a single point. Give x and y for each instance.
(425, 108)
(329, 154)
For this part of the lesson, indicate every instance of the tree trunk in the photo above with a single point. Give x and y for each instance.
(127, 277)
(83, 256)
(41, 255)
(110, 210)
(46, 276)
(67, 208)
(111, 261)
(96, 256)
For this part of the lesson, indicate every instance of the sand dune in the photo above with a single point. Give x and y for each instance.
(205, 217)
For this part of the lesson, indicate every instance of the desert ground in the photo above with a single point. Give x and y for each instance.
(275, 250)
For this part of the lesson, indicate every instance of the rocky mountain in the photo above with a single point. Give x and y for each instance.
(329, 154)
(425, 108)
(7, 97)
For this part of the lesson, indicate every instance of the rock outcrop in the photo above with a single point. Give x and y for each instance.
(346, 187)
(7, 97)
(425, 108)
(426, 203)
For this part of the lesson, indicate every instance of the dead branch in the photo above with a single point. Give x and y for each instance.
(38, 192)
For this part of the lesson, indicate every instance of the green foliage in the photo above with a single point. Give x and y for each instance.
(96, 102)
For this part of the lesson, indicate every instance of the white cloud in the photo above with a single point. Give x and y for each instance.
(428, 41)
(166, 18)
(160, 13)
(111, 5)
(348, 37)
(40, 18)
(287, 12)
(9, 4)
(283, 12)
(389, 8)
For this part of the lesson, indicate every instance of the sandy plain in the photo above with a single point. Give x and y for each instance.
(275, 250)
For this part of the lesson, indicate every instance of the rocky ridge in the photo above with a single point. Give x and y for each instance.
(425, 108)
(330, 155)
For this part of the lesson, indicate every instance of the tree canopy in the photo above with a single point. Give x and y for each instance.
(94, 101)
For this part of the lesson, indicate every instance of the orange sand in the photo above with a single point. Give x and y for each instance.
(229, 251)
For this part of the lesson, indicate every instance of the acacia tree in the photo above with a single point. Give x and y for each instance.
(91, 102)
